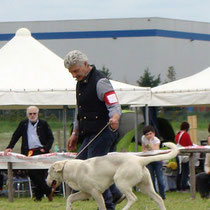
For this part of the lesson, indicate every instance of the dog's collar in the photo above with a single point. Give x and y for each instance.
(63, 170)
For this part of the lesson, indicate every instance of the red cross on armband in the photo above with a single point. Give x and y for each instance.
(110, 98)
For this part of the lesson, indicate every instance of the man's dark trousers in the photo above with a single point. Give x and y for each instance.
(99, 147)
(38, 178)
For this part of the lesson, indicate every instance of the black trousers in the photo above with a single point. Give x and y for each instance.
(1, 181)
(38, 177)
(203, 184)
(182, 176)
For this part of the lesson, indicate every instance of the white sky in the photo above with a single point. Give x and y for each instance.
(32, 10)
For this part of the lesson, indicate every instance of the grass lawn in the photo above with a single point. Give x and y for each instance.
(174, 201)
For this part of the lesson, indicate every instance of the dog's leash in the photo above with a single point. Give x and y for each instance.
(54, 182)
(93, 139)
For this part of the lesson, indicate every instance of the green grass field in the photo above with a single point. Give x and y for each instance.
(174, 201)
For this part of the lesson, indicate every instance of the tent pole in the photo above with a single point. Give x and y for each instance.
(64, 127)
(136, 129)
(146, 114)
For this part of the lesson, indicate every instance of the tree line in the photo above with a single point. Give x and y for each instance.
(147, 79)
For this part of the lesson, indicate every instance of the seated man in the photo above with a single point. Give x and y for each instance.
(37, 138)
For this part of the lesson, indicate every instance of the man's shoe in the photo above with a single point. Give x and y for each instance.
(118, 200)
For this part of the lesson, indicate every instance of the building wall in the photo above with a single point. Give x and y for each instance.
(126, 46)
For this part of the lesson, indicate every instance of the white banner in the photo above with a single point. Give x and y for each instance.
(44, 161)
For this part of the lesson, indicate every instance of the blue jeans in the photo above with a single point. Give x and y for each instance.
(155, 169)
(99, 147)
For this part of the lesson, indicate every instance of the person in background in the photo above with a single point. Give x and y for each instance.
(37, 138)
(183, 139)
(151, 142)
(97, 104)
(203, 178)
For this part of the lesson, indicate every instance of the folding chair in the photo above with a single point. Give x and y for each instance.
(22, 185)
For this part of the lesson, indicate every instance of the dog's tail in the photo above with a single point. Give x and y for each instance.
(173, 153)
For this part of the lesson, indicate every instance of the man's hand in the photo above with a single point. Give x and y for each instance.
(72, 142)
(7, 150)
(114, 121)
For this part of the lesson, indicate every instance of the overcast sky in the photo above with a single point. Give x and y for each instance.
(32, 10)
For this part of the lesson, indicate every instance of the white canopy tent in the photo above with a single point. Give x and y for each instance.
(190, 91)
(31, 74)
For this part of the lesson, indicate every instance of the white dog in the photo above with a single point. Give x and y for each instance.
(93, 176)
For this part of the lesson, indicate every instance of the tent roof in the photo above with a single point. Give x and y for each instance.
(30, 66)
(130, 94)
(31, 74)
(190, 91)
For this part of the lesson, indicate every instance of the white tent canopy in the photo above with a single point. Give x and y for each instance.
(130, 94)
(31, 74)
(190, 91)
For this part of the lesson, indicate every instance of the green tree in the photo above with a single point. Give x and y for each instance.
(148, 80)
(106, 72)
(171, 74)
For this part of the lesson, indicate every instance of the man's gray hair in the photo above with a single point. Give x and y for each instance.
(75, 57)
(32, 107)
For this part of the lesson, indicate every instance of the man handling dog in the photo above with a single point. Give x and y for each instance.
(97, 105)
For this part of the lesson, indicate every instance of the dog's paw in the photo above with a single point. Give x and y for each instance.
(69, 208)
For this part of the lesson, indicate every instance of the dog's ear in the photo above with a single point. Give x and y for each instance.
(58, 166)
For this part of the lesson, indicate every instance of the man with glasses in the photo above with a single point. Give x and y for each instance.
(37, 138)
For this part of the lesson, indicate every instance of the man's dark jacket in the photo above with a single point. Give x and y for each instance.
(43, 131)
(92, 113)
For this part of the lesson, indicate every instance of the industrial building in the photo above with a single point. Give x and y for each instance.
(125, 46)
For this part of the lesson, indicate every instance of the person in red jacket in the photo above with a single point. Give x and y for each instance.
(183, 139)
